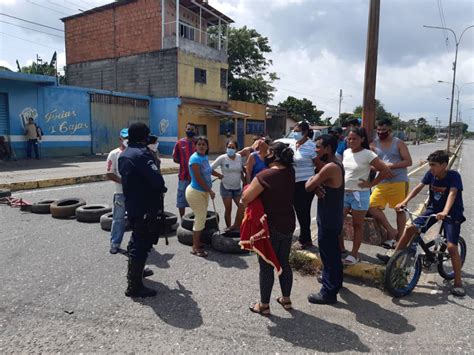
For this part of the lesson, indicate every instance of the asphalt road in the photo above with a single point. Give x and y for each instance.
(61, 291)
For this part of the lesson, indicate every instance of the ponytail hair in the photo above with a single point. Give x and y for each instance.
(362, 133)
(283, 154)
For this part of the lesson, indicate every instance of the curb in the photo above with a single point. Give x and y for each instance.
(39, 184)
(362, 270)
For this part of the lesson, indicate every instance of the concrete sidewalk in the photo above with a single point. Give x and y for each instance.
(32, 174)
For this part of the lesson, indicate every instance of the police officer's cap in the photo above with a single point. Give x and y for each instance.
(138, 132)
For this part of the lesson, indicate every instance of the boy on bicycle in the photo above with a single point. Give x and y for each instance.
(445, 199)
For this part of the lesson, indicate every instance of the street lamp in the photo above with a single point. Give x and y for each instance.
(459, 88)
(454, 72)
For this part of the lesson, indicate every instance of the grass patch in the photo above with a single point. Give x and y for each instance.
(303, 263)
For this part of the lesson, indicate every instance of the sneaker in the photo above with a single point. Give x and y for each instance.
(389, 244)
(383, 258)
(114, 249)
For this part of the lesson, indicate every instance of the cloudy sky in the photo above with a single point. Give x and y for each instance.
(318, 48)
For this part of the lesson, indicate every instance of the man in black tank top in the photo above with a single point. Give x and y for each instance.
(328, 184)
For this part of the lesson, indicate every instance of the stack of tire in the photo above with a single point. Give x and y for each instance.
(185, 230)
(171, 222)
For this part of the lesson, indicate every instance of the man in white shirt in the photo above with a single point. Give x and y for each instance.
(118, 221)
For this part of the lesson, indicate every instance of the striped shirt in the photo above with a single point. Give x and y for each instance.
(304, 155)
(182, 151)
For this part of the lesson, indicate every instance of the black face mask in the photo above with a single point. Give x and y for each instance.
(190, 134)
(268, 160)
(324, 158)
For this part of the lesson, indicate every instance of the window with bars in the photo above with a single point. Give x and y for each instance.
(200, 75)
(255, 127)
(224, 78)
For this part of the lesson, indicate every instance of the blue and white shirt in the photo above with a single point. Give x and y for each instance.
(304, 155)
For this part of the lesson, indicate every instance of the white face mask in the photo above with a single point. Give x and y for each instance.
(153, 147)
(125, 143)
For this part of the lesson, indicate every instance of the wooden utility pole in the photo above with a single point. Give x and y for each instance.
(368, 112)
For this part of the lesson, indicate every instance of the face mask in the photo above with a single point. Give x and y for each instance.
(230, 152)
(153, 147)
(383, 135)
(297, 135)
(268, 160)
(190, 134)
(125, 143)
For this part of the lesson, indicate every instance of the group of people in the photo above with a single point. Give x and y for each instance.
(340, 170)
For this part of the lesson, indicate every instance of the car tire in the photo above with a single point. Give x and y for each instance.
(42, 206)
(211, 222)
(5, 193)
(227, 242)
(185, 236)
(91, 213)
(66, 208)
(106, 222)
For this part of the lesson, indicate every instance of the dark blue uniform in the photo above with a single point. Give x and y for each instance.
(143, 188)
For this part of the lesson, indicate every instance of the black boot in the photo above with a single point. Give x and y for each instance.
(135, 286)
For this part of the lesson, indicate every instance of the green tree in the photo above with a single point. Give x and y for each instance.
(302, 109)
(43, 68)
(456, 126)
(249, 77)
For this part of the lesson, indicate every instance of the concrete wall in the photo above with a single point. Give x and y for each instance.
(256, 112)
(153, 74)
(117, 30)
(188, 88)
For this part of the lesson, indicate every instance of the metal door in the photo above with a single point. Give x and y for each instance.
(109, 114)
(240, 132)
(4, 120)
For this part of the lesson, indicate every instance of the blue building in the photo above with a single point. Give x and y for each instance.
(78, 120)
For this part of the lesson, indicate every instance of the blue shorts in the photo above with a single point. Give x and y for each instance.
(181, 195)
(452, 229)
(357, 200)
(230, 193)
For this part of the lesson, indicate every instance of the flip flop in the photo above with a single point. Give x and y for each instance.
(201, 253)
(350, 260)
(458, 291)
(264, 311)
(286, 305)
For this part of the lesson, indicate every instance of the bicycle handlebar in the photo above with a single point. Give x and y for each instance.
(428, 217)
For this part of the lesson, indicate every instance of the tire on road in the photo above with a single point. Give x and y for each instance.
(106, 222)
(185, 236)
(91, 213)
(227, 242)
(42, 206)
(211, 223)
(5, 193)
(171, 219)
(66, 208)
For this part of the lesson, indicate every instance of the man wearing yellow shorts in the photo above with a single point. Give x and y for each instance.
(391, 191)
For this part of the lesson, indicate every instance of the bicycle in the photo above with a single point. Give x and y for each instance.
(404, 268)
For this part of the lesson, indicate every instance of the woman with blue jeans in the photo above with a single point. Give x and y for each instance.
(199, 190)
(358, 160)
(231, 185)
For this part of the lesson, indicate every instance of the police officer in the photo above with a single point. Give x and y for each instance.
(143, 187)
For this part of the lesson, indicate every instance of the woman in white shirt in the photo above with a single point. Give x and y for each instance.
(358, 160)
(232, 169)
(304, 150)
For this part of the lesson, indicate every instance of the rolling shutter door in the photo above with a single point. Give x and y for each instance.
(4, 120)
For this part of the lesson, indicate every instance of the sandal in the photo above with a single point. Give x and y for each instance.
(458, 291)
(286, 305)
(350, 260)
(201, 253)
(262, 310)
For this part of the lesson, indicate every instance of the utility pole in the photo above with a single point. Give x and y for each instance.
(368, 111)
(340, 102)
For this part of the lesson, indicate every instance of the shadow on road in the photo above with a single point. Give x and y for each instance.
(373, 315)
(174, 306)
(160, 260)
(228, 260)
(315, 333)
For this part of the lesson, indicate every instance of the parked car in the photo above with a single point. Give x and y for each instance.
(440, 140)
(289, 137)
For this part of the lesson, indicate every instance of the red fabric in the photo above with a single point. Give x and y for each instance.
(255, 236)
(182, 151)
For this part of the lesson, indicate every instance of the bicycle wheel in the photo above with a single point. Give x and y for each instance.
(445, 267)
(402, 272)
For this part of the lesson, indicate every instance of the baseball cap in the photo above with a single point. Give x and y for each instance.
(124, 133)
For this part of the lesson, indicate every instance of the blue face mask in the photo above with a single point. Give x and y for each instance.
(297, 135)
(230, 152)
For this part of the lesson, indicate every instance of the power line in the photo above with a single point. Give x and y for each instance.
(45, 7)
(27, 40)
(443, 23)
(32, 22)
(31, 29)
(59, 5)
